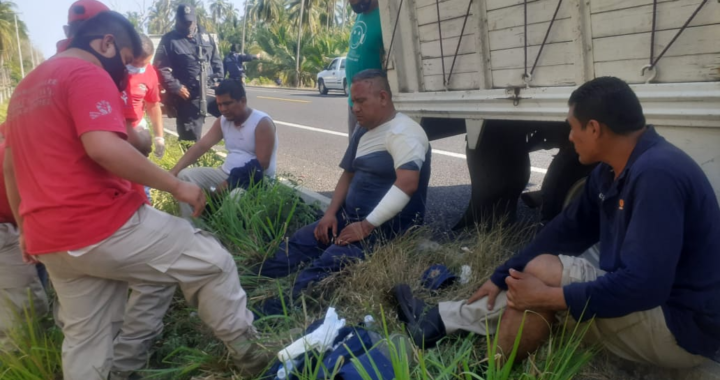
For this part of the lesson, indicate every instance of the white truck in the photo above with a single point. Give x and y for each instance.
(501, 71)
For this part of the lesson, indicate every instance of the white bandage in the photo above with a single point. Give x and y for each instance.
(392, 203)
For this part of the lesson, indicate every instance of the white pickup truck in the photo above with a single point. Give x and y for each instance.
(501, 71)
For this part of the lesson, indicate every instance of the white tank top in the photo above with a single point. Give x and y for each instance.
(240, 143)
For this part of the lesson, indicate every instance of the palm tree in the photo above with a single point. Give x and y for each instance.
(267, 11)
(8, 42)
(160, 20)
(221, 10)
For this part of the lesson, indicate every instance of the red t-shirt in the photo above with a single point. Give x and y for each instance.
(68, 200)
(142, 88)
(6, 215)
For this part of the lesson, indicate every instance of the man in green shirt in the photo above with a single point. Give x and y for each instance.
(366, 47)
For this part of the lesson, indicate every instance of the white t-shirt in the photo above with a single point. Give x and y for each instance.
(240, 143)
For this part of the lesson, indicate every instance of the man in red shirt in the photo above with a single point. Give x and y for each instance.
(78, 13)
(16, 277)
(148, 302)
(143, 95)
(82, 220)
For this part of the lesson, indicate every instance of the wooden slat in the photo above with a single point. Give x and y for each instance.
(615, 5)
(432, 49)
(552, 55)
(538, 12)
(692, 68)
(464, 81)
(563, 75)
(498, 4)
(671, 15)
(449, 10)
(468, 63)
(450, 29)
(515, 37)
(698, 40)
(428, 3)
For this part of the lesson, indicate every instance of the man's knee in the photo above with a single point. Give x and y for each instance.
(547, 268)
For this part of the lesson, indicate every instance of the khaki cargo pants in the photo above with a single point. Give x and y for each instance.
(205, 178)
(19, 286)
(151, 248)
(641, 337)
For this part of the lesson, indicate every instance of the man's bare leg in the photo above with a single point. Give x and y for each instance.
(536, 328)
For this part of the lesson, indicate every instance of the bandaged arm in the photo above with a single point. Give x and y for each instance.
(408, 154)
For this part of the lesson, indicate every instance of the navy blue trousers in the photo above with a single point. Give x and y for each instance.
(325, 259)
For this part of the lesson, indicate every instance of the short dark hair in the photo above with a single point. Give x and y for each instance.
(73, 27)
(234, 48)
(147, 47)
(231, 87)
(610, 101)
(113, 23)
(374, 74)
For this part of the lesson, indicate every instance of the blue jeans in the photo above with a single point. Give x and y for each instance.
(324, 259)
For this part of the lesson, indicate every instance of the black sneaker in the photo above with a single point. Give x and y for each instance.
(422, 323)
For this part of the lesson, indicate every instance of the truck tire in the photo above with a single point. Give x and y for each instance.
(321, 87)
(563, 182)
(499, 172)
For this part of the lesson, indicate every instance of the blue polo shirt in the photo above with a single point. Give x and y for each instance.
(374, 156)
(658, 225)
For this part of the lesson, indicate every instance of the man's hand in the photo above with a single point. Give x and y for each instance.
(191, 194)
(489, 290)
(527, 292)
(159, 147)
(354, 233)
(184, 93)
(328, 222)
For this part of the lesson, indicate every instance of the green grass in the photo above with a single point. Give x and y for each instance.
(252, 226)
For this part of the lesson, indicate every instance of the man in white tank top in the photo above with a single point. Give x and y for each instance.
(250, 139)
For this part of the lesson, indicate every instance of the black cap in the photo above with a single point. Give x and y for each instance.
(186, 13)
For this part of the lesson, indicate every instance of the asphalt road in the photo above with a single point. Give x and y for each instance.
(312, 132)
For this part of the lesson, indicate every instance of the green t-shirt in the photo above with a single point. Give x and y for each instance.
(366, 46)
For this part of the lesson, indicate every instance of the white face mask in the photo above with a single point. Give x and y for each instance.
(136, 70)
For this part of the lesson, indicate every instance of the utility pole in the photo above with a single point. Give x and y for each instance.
(344, 10)
(297, 57)
(17, 35)
(32, 56)
(245, 17)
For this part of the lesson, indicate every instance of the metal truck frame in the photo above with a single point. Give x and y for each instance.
(506, 68)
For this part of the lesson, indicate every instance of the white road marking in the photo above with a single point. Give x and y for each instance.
(435, 151)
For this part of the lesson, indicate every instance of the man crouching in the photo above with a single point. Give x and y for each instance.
(655, 292)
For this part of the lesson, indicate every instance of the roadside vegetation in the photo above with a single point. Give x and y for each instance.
(252, 226)
(270, 29)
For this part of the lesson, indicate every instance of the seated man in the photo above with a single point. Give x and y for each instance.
(655, 294)
(383, 187)
(249, 135)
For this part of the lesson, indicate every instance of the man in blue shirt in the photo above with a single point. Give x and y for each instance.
(381, 193)
(655, 292)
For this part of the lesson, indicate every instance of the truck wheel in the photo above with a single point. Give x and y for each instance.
(563, 182)
(321, 87)
(499, 172)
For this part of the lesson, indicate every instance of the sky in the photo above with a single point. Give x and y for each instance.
(45, 18)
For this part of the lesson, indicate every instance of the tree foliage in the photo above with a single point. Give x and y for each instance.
(271, 29)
